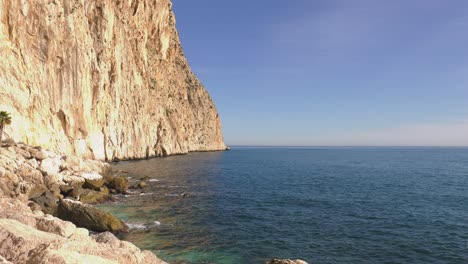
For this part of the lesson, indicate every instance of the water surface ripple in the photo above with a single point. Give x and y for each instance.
(324, 205)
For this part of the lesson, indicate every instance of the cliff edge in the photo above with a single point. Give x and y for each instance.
(102, 79)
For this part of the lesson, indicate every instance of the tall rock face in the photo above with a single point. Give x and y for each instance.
(104, 79)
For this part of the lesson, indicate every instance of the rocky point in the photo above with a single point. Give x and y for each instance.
(44, 210)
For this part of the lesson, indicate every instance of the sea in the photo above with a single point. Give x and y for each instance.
(318, 204)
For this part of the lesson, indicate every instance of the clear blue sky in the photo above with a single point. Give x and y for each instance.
(330, 72)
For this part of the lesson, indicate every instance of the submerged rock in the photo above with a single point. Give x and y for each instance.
(87, 216)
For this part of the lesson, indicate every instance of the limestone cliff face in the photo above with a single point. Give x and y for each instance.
(104, 79)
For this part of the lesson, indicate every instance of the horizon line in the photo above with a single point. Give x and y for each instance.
(349, 146)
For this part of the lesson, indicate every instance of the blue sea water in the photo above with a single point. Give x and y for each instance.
(323, 205)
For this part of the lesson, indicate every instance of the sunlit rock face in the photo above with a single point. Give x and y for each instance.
(101, 79)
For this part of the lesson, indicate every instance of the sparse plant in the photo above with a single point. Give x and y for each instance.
(5, 119)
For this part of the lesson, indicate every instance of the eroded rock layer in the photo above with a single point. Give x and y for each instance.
(101, 79)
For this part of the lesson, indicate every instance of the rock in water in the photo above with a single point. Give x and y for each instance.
(93, 197)
(119, 183)
(94, 184)
(142, 185)
(87, 216)
(101, 79)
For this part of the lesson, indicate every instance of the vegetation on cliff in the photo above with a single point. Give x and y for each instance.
(5, 119)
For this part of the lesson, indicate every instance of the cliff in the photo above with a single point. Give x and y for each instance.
(102, 79)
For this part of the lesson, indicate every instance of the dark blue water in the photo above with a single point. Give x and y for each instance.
(324, 205)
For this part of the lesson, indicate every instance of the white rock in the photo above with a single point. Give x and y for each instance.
(32, 162)
(91, 175)
(50, 154)
(73, 179)
(50, 166)
(4, 261)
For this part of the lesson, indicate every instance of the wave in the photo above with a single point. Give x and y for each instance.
(144, 194)
(136, 226)
(140, 226)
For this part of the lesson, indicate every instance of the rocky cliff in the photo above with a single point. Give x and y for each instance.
(103, 79)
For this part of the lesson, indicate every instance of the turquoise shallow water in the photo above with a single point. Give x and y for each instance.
(324, 205)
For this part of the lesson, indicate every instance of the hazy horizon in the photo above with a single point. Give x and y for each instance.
(335, 72)
(343, 146)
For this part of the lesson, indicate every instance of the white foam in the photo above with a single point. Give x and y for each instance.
(131, 192)
(153, 180)
(136, 226)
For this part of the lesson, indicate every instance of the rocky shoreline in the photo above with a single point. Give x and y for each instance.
(46, 214)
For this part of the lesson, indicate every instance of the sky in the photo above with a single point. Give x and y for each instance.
(332, 72)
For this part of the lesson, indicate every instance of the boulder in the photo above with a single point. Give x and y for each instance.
(65, 190)
(54, 225)
(92, 197)
(118, 183)
(72, 163)
(50, 180)
(91, 175)
(56, 191)
(48, 203)
(34, 206)
(106, 237)
(74, 180)
(28, 173)
(6, 188)
(38, 154)
(36, 190)
(94, 184)
(26, 154)
(87, 216)
(7, 153)
(50, 166)
(20, 240)
(4, 261)
(33, 163)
